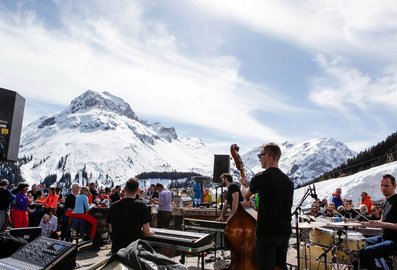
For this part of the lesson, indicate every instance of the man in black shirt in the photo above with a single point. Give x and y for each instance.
(127, 218)
(233, 197)
(34, 192)
(386, 244)
(93, 191)
(273, 228)
(68, 208)
(116, 195)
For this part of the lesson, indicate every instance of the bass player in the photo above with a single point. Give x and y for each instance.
(273, 227)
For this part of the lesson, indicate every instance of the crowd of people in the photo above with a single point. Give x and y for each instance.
(337, 208)
(272, 188)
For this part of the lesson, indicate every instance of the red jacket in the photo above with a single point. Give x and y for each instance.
(367, 201)
(51, 201)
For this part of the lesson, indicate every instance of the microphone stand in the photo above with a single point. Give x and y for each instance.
(296, 214)
(216, 199)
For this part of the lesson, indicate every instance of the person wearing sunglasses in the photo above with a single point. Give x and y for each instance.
(386, 244)
(273, 228)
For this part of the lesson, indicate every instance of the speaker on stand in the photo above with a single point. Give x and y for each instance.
(221, 165)
(12, 106)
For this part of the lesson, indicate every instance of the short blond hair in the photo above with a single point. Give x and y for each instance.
(82, 189)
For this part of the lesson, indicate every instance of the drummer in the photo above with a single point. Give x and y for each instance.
(386, 244)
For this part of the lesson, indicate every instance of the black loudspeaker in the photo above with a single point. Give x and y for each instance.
(221, 165)
(12, 106)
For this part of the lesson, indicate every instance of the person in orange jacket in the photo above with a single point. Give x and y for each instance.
(52, 199)
(366, 199)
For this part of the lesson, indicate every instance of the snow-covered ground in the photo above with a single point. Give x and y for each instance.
(351, 185)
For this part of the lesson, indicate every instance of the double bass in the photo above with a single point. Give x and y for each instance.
(240, 229)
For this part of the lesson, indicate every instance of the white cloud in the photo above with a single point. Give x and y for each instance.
(348, 27)
(342, 87)
(133, 58)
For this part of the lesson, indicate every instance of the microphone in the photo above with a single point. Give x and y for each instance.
(219, 186)
(314, 194)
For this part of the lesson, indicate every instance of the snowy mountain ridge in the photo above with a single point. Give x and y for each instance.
(305, 161)
(100, 132)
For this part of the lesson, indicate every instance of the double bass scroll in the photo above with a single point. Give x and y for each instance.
(239, 164)
(240, 229)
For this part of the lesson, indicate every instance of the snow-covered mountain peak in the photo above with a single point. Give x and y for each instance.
(103, 101)
(305, 161)
(101, 133)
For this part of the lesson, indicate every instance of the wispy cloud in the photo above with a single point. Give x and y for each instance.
(342, 87)
(141, 57)
(327, 26)
(133, 58)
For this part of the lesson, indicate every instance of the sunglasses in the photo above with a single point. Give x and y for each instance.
(261, 154)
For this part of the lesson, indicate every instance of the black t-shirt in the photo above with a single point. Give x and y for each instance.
(5, 198)
(276, 192)
(70, 201)
(115, 197)
(232, 189)
(35, 195)
(127, 217)
(155, 195)
(389, 214)
(94, 193)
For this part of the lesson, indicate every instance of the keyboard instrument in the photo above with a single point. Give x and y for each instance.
(181, 240)
(204, 225)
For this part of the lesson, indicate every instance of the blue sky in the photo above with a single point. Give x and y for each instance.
(245, 72)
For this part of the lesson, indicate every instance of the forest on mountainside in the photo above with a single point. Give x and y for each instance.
(166, 175)
(379, 154)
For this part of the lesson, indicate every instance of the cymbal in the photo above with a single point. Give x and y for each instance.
(344, 224)
(307, 225)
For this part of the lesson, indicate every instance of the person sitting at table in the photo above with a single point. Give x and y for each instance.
(314, 211)
(81, 208)
(364, 216)
(375, 213)
(329, 214)
(102, 200)
(349, 211)
(49, 225)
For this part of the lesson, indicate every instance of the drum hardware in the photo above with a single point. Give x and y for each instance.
(311, 191)
(344, 224)
(332, 248)
(310, 225)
